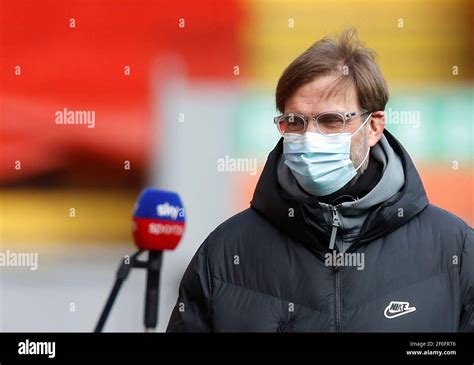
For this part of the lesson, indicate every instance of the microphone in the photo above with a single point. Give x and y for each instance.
(158, 220)
(158, 224)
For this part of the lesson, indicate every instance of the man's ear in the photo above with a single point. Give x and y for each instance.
(376, 127)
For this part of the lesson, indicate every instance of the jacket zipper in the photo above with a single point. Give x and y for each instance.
(338, 299)
(335, 225)
(337, 270)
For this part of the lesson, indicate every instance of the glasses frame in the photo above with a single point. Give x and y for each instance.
(346, 116)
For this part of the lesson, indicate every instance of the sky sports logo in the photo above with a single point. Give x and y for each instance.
(158, 229)
(167, 210)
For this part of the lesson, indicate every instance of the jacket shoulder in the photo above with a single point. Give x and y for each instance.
(444, 224)
(246, 230)
(444, 218)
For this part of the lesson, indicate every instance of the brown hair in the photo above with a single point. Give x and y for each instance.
(344, 55)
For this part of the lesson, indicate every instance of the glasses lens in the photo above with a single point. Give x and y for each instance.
(329, 123)
(291, 124)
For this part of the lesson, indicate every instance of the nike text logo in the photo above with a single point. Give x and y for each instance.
(397, 309)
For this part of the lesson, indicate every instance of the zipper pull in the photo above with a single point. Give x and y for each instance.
(335, 225)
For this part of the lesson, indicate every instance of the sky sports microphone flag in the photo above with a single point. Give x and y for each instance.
(158, 220)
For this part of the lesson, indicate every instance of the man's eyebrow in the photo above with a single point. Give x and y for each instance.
(337, 110)
(293, 112)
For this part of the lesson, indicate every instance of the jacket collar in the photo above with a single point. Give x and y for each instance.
(301, 217)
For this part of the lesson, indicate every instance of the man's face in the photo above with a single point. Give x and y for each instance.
(311, 99)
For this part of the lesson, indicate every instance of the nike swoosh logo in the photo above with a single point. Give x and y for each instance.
(397, 309)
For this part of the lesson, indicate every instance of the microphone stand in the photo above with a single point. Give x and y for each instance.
(153, 266)
(152, 290)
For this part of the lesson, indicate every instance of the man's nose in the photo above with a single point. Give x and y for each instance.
(311, 127)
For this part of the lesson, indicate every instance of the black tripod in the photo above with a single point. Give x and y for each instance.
(153, 266)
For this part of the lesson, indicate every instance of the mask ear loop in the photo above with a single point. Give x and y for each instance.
(365, 121)
(368, 150)
(365, 158)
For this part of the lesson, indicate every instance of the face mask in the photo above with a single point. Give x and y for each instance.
(320, 162)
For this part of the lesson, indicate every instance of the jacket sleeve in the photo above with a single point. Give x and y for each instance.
(192, 310)
(466, 323)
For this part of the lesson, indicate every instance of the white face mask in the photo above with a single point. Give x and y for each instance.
(321, 162)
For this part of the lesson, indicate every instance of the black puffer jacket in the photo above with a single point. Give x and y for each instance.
(263, 270)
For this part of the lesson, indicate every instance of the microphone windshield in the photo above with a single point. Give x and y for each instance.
(158, 220)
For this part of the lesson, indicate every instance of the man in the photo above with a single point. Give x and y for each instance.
(340, 235)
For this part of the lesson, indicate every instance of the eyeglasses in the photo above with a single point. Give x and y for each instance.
(326, 123)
